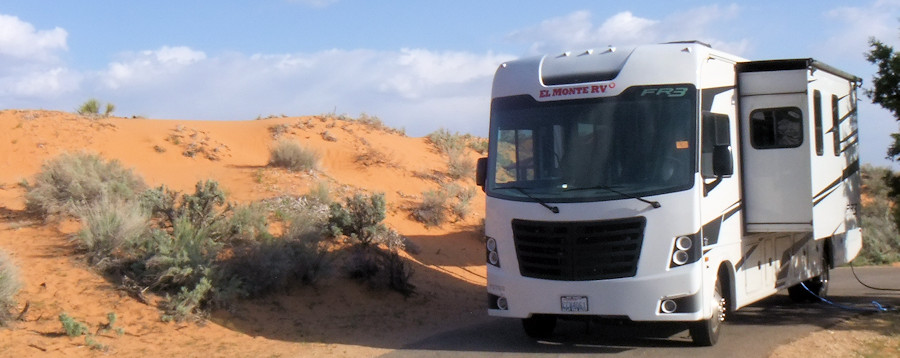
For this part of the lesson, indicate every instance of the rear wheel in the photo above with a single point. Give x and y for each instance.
(818, 287)
(706, 332)
(539, 326)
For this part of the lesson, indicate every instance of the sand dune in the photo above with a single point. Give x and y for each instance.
(338, 317)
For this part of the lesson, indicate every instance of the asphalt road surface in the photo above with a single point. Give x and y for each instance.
(752, 331)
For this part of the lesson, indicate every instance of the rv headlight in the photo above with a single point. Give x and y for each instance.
(684, 243)
(493, 258)
(491, 244)
(680, 257)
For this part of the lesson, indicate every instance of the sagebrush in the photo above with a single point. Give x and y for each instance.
(290, 155)
(10, 284)
(81, 179)
(881, 239)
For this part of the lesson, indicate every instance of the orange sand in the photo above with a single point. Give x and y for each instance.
(336, 318)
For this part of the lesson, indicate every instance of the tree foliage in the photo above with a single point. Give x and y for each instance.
(886, 85)
(886, 93)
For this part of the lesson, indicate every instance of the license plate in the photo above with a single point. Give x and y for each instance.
(574, 303)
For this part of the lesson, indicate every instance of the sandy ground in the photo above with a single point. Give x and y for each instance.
(338, 317)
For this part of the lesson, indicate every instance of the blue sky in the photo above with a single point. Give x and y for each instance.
(417, 65)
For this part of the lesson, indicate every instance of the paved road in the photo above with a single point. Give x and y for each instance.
(753, 331)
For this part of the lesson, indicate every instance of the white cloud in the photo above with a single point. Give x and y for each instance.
(418, 89)
(21, 41)
(578, 30)
(29, 61)
(150, 66)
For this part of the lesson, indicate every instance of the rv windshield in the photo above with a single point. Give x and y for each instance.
(639, 143)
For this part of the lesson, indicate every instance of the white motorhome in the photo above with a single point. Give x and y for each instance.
(666, 183)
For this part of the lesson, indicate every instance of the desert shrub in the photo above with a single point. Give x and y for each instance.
(187, 303)
(290, 155)
(479, 145)
(319, 193)
(444, 141)
(9, 286)
(79, 179)
(181, 258)
(246, 223)
(201, 207)
(881, 240)
(278, 130)
(399, 273)
(459, 165)
(108, 225)
(463, 195)
(71, 326)
(432, 210)
(359, 218)
(378, 268)
(91, 106)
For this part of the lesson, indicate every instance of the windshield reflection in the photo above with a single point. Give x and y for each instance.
(641, 142)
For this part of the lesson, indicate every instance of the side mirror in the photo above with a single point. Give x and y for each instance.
(481, 172)
(723, 165)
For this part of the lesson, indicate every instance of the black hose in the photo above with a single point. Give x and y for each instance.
(867, 286)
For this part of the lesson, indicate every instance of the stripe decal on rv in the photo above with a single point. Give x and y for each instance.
(849, 171)
(710, 230)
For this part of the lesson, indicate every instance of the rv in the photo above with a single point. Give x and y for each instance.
(666, 183)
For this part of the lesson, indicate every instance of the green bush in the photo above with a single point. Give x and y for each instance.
(247, 223)
(80, 179)
(445, 142)
(72, 327)
(290, 155)
(359, 218)
(459, 165)
(109, 225)
(432, 211)
(91, 106)
(9, 287)
(881, 239)
(463, 195)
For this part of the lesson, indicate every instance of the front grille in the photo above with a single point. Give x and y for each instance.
(579, 250)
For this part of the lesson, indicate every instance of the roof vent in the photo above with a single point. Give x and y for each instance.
(589, 66)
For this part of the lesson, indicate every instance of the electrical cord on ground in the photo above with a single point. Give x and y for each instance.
(867, 286)
(877, 306)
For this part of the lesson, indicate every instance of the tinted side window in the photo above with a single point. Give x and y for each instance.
(817, 113)
(776, 128)
(835, 125)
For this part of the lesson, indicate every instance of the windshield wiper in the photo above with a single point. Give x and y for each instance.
(552, 209)
(653, 203)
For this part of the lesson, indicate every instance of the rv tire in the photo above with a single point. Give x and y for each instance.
(706, 332)
(818, 287)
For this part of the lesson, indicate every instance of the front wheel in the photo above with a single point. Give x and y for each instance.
(706, 332)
